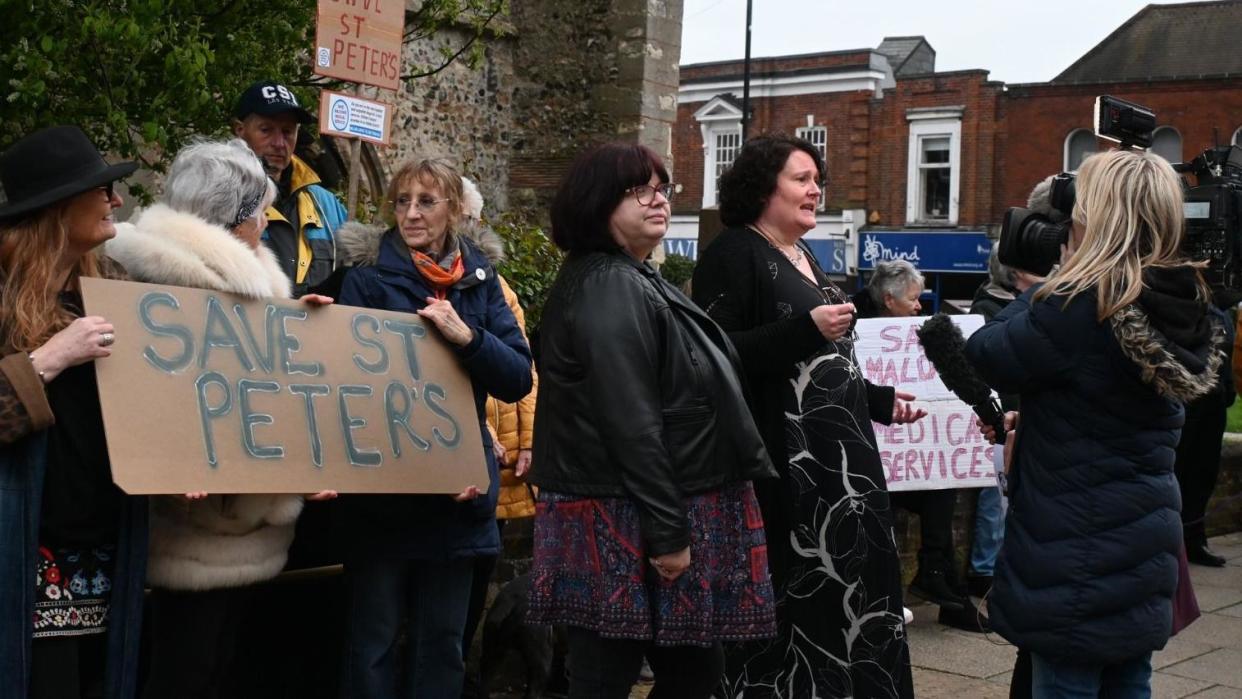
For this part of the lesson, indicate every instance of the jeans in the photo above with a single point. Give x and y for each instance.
(1128, 680)
(380, 593)
(989, 531)
(606, 668)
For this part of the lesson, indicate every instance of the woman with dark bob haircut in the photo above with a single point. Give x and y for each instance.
(833, 558)
(648, 538)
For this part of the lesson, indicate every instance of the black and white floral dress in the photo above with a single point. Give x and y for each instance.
(830, 537)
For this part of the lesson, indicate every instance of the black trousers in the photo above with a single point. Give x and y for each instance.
(606, 668)
(484, 566)
(935, 510)
(194, 638)
(1021, 680)
(68, 667)
(1198, 462)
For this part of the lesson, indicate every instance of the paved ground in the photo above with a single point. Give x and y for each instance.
(1204, 661)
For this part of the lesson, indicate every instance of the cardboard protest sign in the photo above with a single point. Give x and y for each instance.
(209, 391)
(944, 449)
(360, 41)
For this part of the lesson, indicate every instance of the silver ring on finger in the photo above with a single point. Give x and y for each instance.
(106, 339)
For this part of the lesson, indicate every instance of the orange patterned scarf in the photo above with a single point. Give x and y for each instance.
(440, 275)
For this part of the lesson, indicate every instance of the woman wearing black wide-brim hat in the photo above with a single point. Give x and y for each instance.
(72, 545)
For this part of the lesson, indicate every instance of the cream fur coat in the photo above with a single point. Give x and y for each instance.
(224, 540)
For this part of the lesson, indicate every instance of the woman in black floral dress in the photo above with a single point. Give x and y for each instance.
(831, 548)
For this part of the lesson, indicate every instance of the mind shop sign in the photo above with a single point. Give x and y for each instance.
(928, 251)
(206, 391)
(944, 449)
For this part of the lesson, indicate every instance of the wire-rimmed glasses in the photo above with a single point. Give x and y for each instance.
(645, 193)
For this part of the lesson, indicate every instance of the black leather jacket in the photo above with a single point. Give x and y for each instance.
(639, 397)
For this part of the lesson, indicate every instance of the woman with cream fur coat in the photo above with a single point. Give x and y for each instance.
(205, 547)
(220, 540)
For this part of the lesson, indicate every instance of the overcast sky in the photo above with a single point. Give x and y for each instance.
(1017, 41)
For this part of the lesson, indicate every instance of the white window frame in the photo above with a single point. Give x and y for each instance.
(717, 117)
(1237, 137)
(711, 159)
(816, 135)
(1065, 151)
(937, 123)
(1181, 145)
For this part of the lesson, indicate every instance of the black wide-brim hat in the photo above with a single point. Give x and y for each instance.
(51, 165)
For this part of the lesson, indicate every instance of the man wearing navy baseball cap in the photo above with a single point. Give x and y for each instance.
(303, 221)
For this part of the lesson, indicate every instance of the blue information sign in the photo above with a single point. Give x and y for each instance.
(929, 251)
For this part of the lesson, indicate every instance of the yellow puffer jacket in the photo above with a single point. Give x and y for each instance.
(514, 427)
(1237, 353)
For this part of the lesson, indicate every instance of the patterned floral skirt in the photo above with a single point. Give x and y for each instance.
(591, 571)
(72, 591)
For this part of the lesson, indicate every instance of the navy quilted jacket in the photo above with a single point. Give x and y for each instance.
(1089, 562)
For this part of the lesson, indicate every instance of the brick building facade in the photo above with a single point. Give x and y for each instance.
(923, 164)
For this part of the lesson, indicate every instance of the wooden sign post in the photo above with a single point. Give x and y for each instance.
(358, 41)
(209, 391)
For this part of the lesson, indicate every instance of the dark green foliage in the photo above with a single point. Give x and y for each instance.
(677, 269)
(143, 76)
(530, 265)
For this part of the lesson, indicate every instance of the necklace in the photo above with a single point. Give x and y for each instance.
(795, 258)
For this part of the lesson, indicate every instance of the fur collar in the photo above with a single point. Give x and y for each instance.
(163, 246)
(1158, 366)
(358, 244)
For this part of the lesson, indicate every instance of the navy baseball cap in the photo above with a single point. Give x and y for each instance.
(268, 97)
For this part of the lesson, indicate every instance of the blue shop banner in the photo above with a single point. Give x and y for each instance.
(829, 251)
(929, 251)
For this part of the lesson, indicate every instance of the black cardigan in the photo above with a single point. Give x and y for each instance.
(732, 283)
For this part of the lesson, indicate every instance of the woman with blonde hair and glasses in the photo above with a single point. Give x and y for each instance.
(415, 554)
(1103, 355)
(72, 545)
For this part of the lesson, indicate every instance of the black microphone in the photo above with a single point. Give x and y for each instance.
(945, 348)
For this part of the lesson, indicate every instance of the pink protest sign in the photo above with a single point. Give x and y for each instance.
(944, 449)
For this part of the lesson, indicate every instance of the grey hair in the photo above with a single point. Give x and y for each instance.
(999, 273)
(892, 278)
(1040, 201)
(471, 200)
(215, 180)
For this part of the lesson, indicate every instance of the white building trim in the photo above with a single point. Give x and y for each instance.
(716, 118)
(934, 113)
(789, 85)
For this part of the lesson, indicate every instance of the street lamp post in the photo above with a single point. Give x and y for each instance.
(746, 76)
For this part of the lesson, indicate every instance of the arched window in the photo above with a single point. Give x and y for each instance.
(1237, 137)
(1166, 142)
(1078, 144)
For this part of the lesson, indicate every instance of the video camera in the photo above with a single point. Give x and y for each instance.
(1213, 206)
